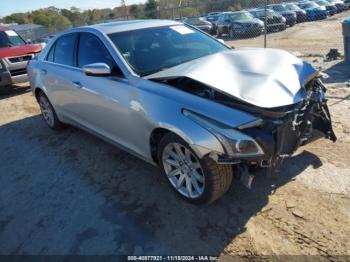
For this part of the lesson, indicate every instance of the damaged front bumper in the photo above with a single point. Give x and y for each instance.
(275, 134)
(280, 134)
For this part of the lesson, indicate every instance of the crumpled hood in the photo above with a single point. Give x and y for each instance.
(265, 78)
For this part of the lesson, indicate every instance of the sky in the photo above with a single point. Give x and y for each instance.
(8, 7)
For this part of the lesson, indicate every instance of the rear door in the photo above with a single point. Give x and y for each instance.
(58, 72)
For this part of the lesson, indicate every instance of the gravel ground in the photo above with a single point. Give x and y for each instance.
(68, 192)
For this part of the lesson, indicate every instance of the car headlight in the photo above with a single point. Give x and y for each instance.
(284, 19)
(235, 143)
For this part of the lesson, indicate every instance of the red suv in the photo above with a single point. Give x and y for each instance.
(14, 56)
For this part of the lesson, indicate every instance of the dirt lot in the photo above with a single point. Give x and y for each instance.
(68, 192)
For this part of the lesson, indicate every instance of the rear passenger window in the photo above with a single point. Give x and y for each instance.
(50, 56)
(91, 50)
(64, 50)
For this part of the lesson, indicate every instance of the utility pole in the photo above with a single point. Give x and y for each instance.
(123, 5)
(265, 24)
(180, 9)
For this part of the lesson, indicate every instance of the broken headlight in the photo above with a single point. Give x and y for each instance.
(235, 143)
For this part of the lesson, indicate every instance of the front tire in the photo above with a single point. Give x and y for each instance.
(48, 112)
(218, 33)
(232, 34)
(198, 181)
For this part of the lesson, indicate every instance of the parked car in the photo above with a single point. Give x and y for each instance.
(274, 21)
(301, 14)
(182, 100)
(213, 13)
(200, 23)
(346, 4)
(237, 24)
(14, 56)
(313, 10)
(290, 16)
(339, 4)
(213, 19)
(331, 8)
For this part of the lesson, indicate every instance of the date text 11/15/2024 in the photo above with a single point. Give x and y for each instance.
(173, 258)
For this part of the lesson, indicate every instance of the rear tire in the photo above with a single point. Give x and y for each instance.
(48, 112)
(214, 180)
(231, 33)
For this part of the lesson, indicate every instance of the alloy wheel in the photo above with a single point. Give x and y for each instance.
(46, 111)
(183, 170)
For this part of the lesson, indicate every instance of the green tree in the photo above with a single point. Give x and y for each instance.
(59, 23)
(136, 11)
(151, 9)
(19, 18)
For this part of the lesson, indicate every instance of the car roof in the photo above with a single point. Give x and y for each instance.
(235, 12)
(122, 26)
(257, 9)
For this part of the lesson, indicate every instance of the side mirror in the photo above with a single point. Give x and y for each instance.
(97, 69)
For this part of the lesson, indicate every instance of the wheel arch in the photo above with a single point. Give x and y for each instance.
(201, 140)
(37, 91)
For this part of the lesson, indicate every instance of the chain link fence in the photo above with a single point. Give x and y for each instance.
(304, 28)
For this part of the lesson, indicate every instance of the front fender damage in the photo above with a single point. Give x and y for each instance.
(278, 131)
(306, 122)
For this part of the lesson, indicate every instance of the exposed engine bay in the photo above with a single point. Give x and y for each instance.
(280, 130)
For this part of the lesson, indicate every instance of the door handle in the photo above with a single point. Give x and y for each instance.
(77, 84)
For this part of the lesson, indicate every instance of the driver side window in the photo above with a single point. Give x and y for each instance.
(91, 50)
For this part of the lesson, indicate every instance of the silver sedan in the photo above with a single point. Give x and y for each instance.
(182, 100)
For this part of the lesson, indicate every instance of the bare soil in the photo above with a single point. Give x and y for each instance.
(68, 192)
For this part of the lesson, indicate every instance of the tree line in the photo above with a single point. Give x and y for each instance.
(56, 19)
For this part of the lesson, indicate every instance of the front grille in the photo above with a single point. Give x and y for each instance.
(17, 72)
(20, 58)
(274, 20)
(251, 25)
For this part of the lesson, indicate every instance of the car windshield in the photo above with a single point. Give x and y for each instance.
(309, 5)
(261, 13)
(292, 7)
(241, 16)
(279, 8)
(10, 38)
(322, 3)
(195, 21)
(151, 50)
(212, 18)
